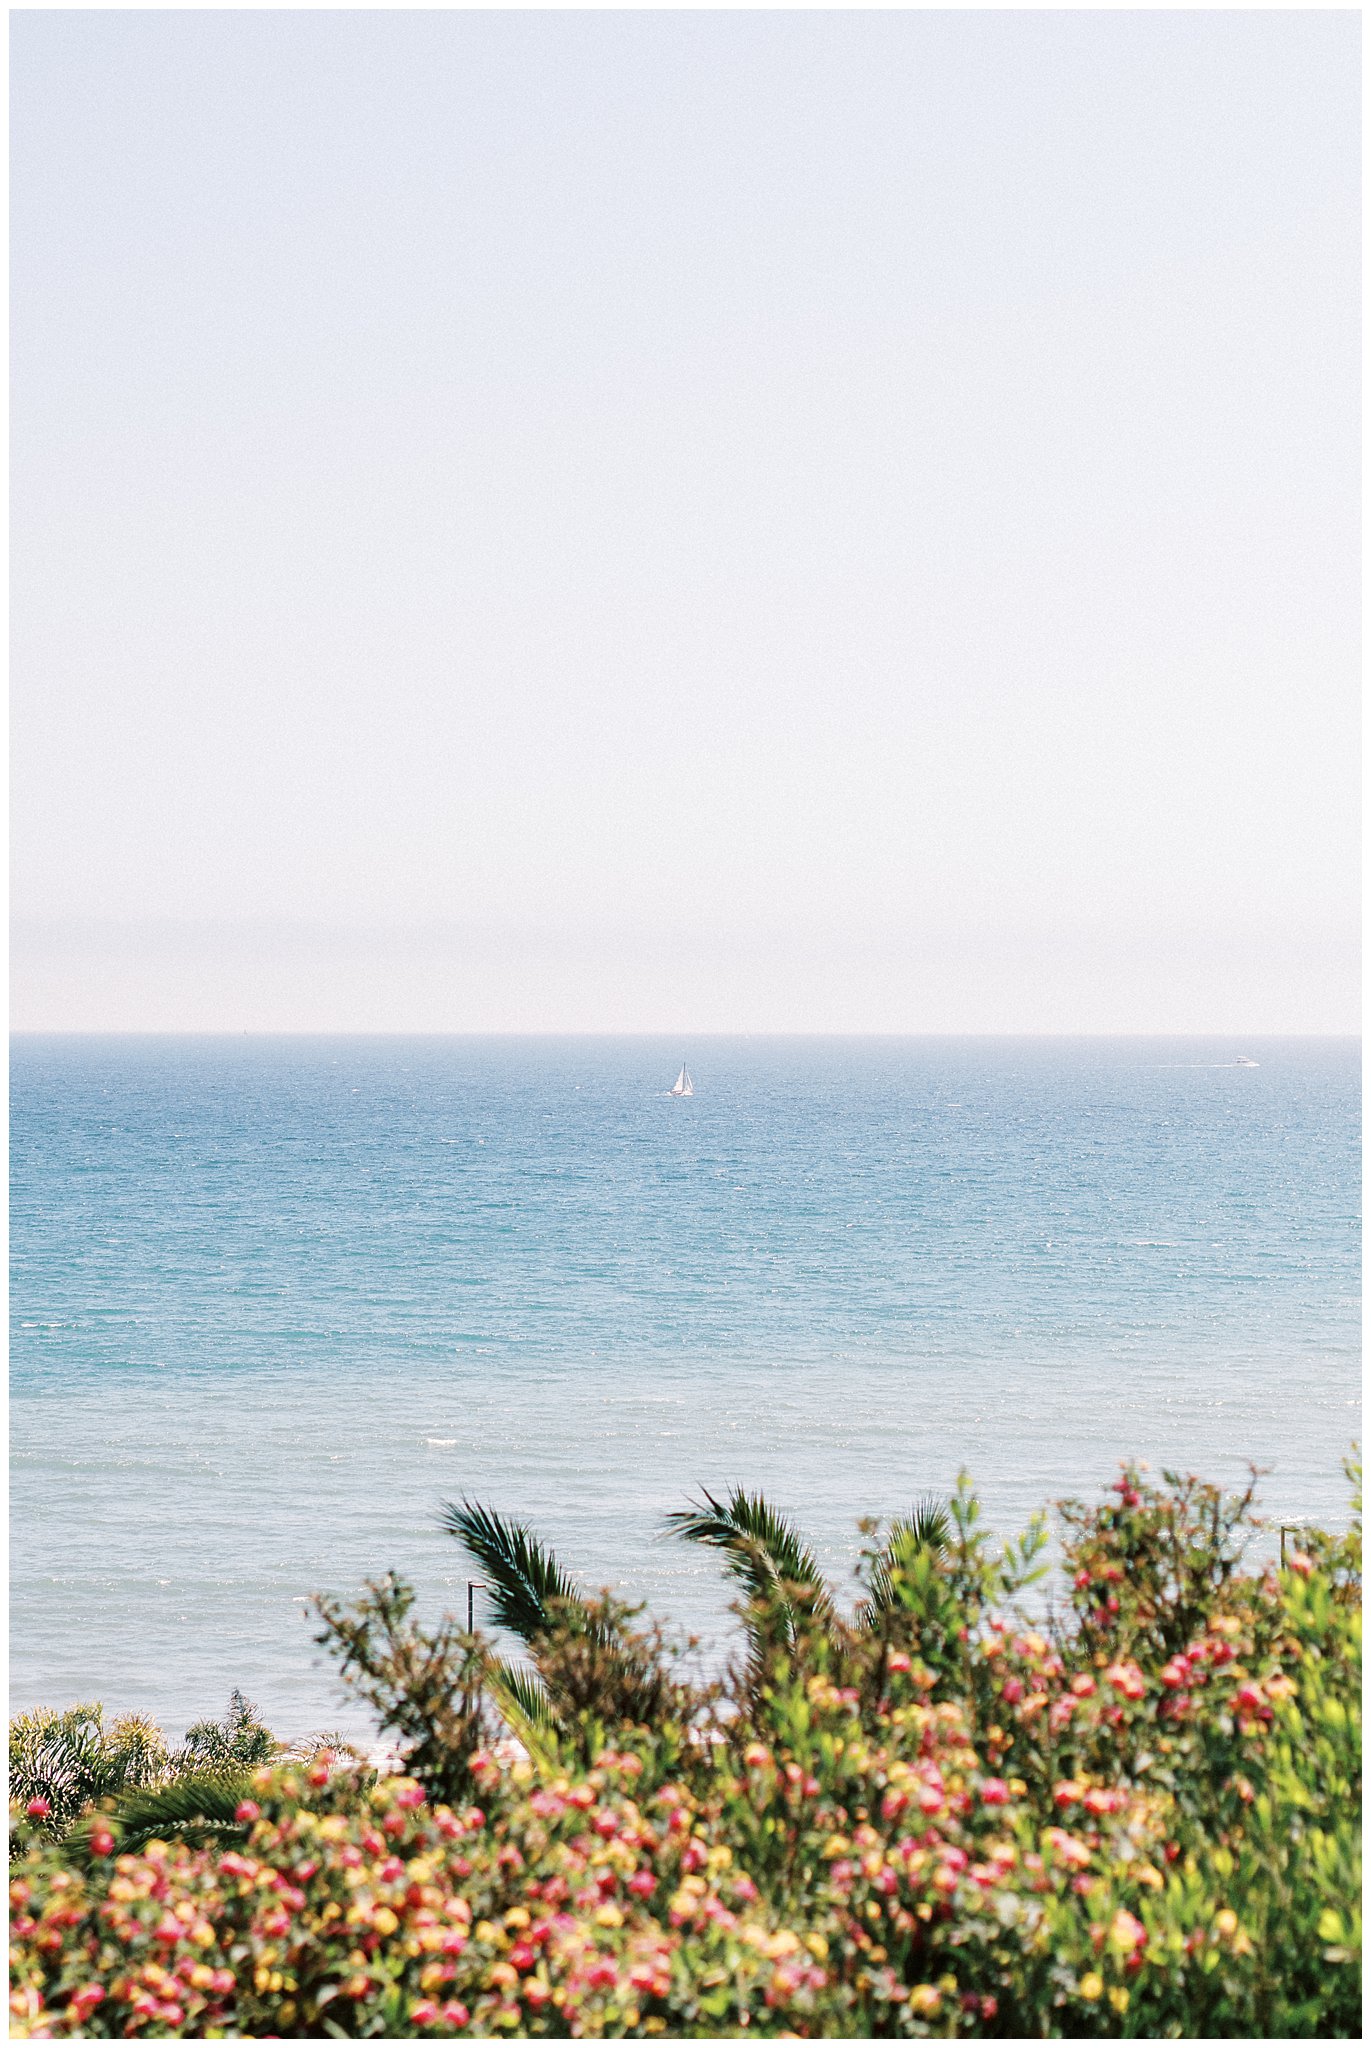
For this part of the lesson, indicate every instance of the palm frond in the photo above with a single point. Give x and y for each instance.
(195, 1810)
(924, 1532)
(530, 1593)
(521, 1688)
(761, 1548)
(928, 1525)
(526, 1710)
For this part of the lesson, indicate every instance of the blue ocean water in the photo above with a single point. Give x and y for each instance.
(275, 1300)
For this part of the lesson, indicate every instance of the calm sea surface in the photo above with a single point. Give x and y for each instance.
(275, 1300)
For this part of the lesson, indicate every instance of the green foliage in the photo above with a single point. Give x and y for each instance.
(923, 1532)
(71, 1759)
(427, 1688)
(239, 1740)
(196, 1808)
(525, 1583)
(761, 1549)
(945, 1816)
(74, 1764)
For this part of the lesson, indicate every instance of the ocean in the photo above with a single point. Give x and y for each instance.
(275, 1300)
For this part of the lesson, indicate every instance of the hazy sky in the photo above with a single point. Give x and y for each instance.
(685, 521)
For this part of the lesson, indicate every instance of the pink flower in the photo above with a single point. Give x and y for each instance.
(1127, 1679)
(38, 1809)
(994, 1792)
(1126, 1932)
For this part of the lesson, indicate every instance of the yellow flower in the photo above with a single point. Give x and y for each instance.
(517, 1916)
(817, 1947)
(384, 1921)
(608, 1916)
(1227, 1921)
(1092, 1986)
(925, 1999)
(1118, 1998)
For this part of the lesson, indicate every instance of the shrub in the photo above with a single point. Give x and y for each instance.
(1102, 1824)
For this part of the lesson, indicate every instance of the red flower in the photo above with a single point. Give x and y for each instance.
(1127, 1679)
(38, 1809)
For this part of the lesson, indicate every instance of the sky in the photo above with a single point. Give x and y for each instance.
(685, 522)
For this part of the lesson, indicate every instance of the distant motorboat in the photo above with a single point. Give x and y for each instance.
(1243, 1061)
(684, 1084)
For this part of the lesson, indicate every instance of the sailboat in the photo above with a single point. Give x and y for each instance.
(684, 1084)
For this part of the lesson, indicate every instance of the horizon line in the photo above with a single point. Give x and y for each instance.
(65, 1031)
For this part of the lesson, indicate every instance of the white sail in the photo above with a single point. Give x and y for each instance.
(684, 1085)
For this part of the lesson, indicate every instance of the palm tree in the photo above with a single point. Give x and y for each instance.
(588, 1667)
(923, 1532)
(770, 1560)
(779, 1572)
(530, 1593)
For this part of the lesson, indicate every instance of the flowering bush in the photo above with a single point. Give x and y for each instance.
(1106, 1824)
